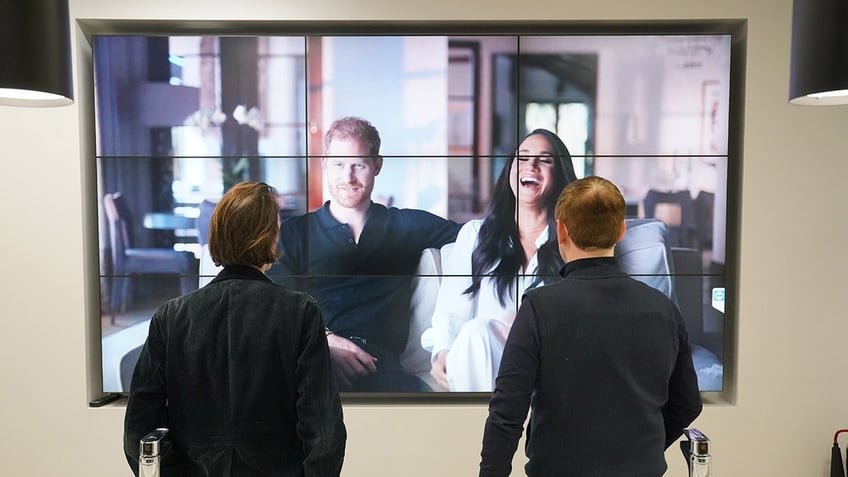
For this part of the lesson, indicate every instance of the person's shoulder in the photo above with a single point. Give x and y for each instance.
(642, 286)
(646, 293)
(297, 221)
(173, 308)
(545, 292)
(473, 225)
(559, 289)
(183, 300)
(167, 307)
(294, 230)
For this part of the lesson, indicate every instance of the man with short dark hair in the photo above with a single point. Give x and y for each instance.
(357, 258)
(602, 360)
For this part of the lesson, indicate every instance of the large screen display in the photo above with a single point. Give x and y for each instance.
(181, 118)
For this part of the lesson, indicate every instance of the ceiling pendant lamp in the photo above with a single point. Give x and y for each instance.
(35, 53)
(819, 65)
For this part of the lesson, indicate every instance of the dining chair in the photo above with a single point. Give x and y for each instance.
(132, 262)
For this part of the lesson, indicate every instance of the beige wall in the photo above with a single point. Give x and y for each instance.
(792, 390)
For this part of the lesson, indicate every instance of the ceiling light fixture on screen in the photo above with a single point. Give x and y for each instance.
(819, 65)
(35, 53)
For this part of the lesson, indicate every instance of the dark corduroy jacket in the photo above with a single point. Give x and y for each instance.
(240, 373)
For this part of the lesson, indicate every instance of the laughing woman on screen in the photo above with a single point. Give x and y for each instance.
(494, 260)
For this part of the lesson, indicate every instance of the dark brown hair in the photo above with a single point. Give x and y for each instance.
(245, 226)
(592, 210)
(496, 252)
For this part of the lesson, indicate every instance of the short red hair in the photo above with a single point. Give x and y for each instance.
(592, 210)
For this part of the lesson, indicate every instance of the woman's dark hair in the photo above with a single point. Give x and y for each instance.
(498, 238)
(245, 226)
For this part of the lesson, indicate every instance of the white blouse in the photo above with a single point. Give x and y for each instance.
(453, 308)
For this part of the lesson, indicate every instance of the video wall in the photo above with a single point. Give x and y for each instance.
(181, 118)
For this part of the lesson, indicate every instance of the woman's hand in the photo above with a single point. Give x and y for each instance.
(439, 369)
(350, 362)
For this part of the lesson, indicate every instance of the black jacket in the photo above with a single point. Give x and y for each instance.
(240, 373)
(605, 365)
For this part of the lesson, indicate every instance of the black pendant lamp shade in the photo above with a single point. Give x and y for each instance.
(35, 53)
(819, 69)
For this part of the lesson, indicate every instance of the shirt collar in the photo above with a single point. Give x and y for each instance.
(328, 222)
(242, 272)
(591, 267)
(542, 238)
(325, 218)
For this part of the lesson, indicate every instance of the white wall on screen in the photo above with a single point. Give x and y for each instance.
(408, 77)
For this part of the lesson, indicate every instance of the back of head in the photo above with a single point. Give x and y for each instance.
(592, 210)
(245, 226)
(352, 127)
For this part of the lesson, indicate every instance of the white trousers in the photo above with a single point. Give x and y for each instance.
(474, 358)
